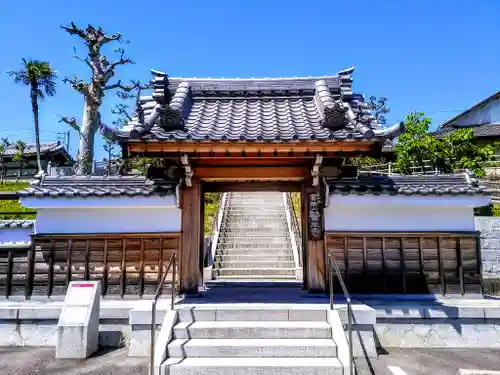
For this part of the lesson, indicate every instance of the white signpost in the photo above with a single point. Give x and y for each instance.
(78, 327)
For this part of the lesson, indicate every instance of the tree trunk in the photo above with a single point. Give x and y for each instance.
(90, 124)
(34, 107)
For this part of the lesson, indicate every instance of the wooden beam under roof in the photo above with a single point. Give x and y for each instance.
(238, 173)
(250, 147)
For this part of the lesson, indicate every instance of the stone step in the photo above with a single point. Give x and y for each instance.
(267, 247)
(257, 255)
(255, 221)
(255, 366)
(260, 239)
(289, 348)
(255, 225)
(254, 277)
(270, 272)
(260, 233)
(263, 257)
(234, 313)
(243, 286)
(253, 330)
(254, 264)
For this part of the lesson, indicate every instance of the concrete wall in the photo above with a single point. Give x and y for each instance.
(490, 245)
(388, 213)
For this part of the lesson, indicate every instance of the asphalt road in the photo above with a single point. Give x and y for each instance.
(430, 361)
(41, 361)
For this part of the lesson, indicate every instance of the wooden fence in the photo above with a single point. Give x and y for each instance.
(126, 264)
(407, 262)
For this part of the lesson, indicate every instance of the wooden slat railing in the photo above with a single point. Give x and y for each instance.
(411, 262)
(126, 264)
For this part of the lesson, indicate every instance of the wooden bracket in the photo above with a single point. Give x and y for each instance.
(315, 169)
(178, 194)
(327, 193)
(187, 168)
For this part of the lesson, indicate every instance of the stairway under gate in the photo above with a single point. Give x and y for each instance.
(254, 241)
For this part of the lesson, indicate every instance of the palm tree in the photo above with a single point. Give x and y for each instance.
(40, 78)
(21, 157)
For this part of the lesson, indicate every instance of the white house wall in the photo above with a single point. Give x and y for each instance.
(15, 235)
(385, 213)
(108, 220)
(487, 114)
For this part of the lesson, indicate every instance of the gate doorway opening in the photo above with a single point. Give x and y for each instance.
(252, 238)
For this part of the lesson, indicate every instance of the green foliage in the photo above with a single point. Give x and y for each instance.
(38, 75)
(14, 206)
(211, 202)
(495, 209)
(365, 161)
(416, 147)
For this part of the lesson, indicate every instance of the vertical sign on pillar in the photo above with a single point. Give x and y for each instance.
(316, 265)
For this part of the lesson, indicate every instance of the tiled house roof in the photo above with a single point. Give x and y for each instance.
(45, 148)
(96, 186)
(487, 130)
(255, 110)
(452, 184)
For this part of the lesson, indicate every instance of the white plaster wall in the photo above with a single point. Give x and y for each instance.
(488, 114)
(390, 214)
(108, 220)
(15, 235)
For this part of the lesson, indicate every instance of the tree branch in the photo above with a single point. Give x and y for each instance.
(74, 30)
(71, 122)
(85, 60)
(119, 85)
(78, 84)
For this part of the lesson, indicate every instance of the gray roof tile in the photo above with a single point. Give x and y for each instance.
(269, 110)
(96, 186)
(16, 223)
(45, 148)
(484, 130)
(451, 184)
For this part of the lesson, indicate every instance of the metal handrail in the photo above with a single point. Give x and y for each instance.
(172, 263)
(295, 226)
(215, 225)
(333, 267)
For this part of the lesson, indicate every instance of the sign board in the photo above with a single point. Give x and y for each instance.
(78, 327)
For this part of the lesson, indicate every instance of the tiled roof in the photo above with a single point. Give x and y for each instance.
(263, 110)
(96, 186)
(451, 184)
(15, 223)
(486, 130)
(45, 148)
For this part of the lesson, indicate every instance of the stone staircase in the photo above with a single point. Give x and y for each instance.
(252, 340)
(254, 242)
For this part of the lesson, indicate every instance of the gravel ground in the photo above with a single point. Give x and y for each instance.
(41, 361)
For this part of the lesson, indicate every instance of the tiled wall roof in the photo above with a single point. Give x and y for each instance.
(96, 186)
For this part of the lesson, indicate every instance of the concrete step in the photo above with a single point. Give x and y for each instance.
(270, 272)
(253, 330)
(259, 239)
(289, 348)
(255, 225)
(263, 257)
(253, 221)
(255, 366)
(254, 264)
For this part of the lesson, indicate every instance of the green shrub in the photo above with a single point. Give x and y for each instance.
(14, 206)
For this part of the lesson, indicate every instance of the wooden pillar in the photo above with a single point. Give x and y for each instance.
(313, 229)
(191, 200)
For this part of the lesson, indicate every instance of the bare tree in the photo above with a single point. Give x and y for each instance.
(93, 91)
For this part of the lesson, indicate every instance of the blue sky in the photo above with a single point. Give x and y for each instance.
(438, 57)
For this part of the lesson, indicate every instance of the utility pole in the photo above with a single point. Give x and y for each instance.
(65, 138)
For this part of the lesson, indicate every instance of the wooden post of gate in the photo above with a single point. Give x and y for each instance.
(191, 201)
(315, 265)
